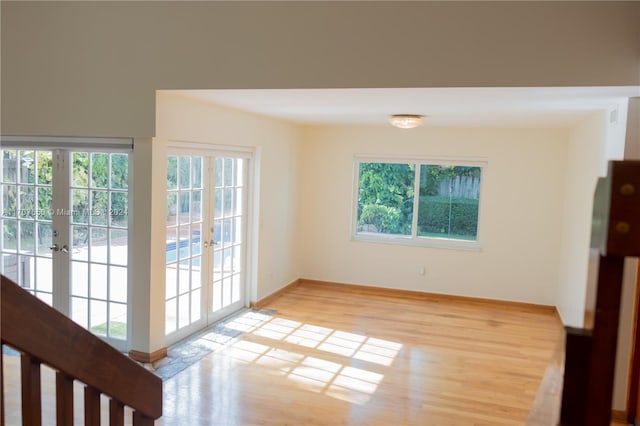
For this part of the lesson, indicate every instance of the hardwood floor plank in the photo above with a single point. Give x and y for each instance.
(357, 357)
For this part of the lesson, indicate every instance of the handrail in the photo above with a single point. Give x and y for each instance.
(45, 335)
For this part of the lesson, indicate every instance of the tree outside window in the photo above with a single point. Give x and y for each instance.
(445, 201)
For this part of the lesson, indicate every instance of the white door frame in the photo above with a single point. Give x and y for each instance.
(211, 151)
(61, 149)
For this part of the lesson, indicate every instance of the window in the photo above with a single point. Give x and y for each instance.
(433, 202)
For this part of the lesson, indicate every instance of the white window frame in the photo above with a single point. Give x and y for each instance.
(414, 239)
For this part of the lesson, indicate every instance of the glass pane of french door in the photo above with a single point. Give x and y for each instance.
(26, 214)
(205, 242)
(184, 255)
(64, 233)
(98, 249)
(228, 235)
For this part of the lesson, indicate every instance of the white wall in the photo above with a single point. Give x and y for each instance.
(592, 143)
(520, 213)
(148, 241)
(584, 165)
(91, 68)
(184, 119)
(617, 119)
(632, 146)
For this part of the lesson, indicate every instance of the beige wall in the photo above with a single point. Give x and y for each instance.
(277, 257)
(592, 143)
(588, 152)
(148, 242)
(585, 163)
(520, 224)
(92, 68)
(632, 147)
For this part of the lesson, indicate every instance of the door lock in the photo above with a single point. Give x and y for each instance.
(64, 248)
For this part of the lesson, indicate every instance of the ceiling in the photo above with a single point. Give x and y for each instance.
(504, 107)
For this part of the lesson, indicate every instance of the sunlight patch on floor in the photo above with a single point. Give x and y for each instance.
(338, 380)
(247, 322)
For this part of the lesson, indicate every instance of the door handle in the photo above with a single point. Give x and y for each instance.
(55, 247)
(209, 243)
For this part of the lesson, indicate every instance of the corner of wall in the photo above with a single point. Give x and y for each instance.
(585, 162)
(632, 142)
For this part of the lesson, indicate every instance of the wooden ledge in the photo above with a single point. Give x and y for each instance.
(619, 416)
(146, 357)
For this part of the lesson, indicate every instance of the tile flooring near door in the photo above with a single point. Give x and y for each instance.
(338, 355)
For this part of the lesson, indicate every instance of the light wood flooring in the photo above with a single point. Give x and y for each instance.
(336, 356)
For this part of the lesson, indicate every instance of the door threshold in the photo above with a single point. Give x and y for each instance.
(213, 338)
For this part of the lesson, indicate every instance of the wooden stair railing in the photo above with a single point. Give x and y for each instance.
(590, 352)
(45, 336)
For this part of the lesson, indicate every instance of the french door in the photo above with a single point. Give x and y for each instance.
(206, 240)
(64, 232)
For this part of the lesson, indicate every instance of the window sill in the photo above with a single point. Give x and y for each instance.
(440, 243)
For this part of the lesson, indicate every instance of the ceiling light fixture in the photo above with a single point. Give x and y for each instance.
(406, 121)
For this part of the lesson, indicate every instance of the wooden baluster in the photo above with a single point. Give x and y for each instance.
(605, 338)
(48, 337)
(64, 399)
(91, 406)
(1, 387)
(116, 413)
(140, 419)
(31, 403)
(576, 380)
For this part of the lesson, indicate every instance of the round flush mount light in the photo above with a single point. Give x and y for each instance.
(406, 121)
